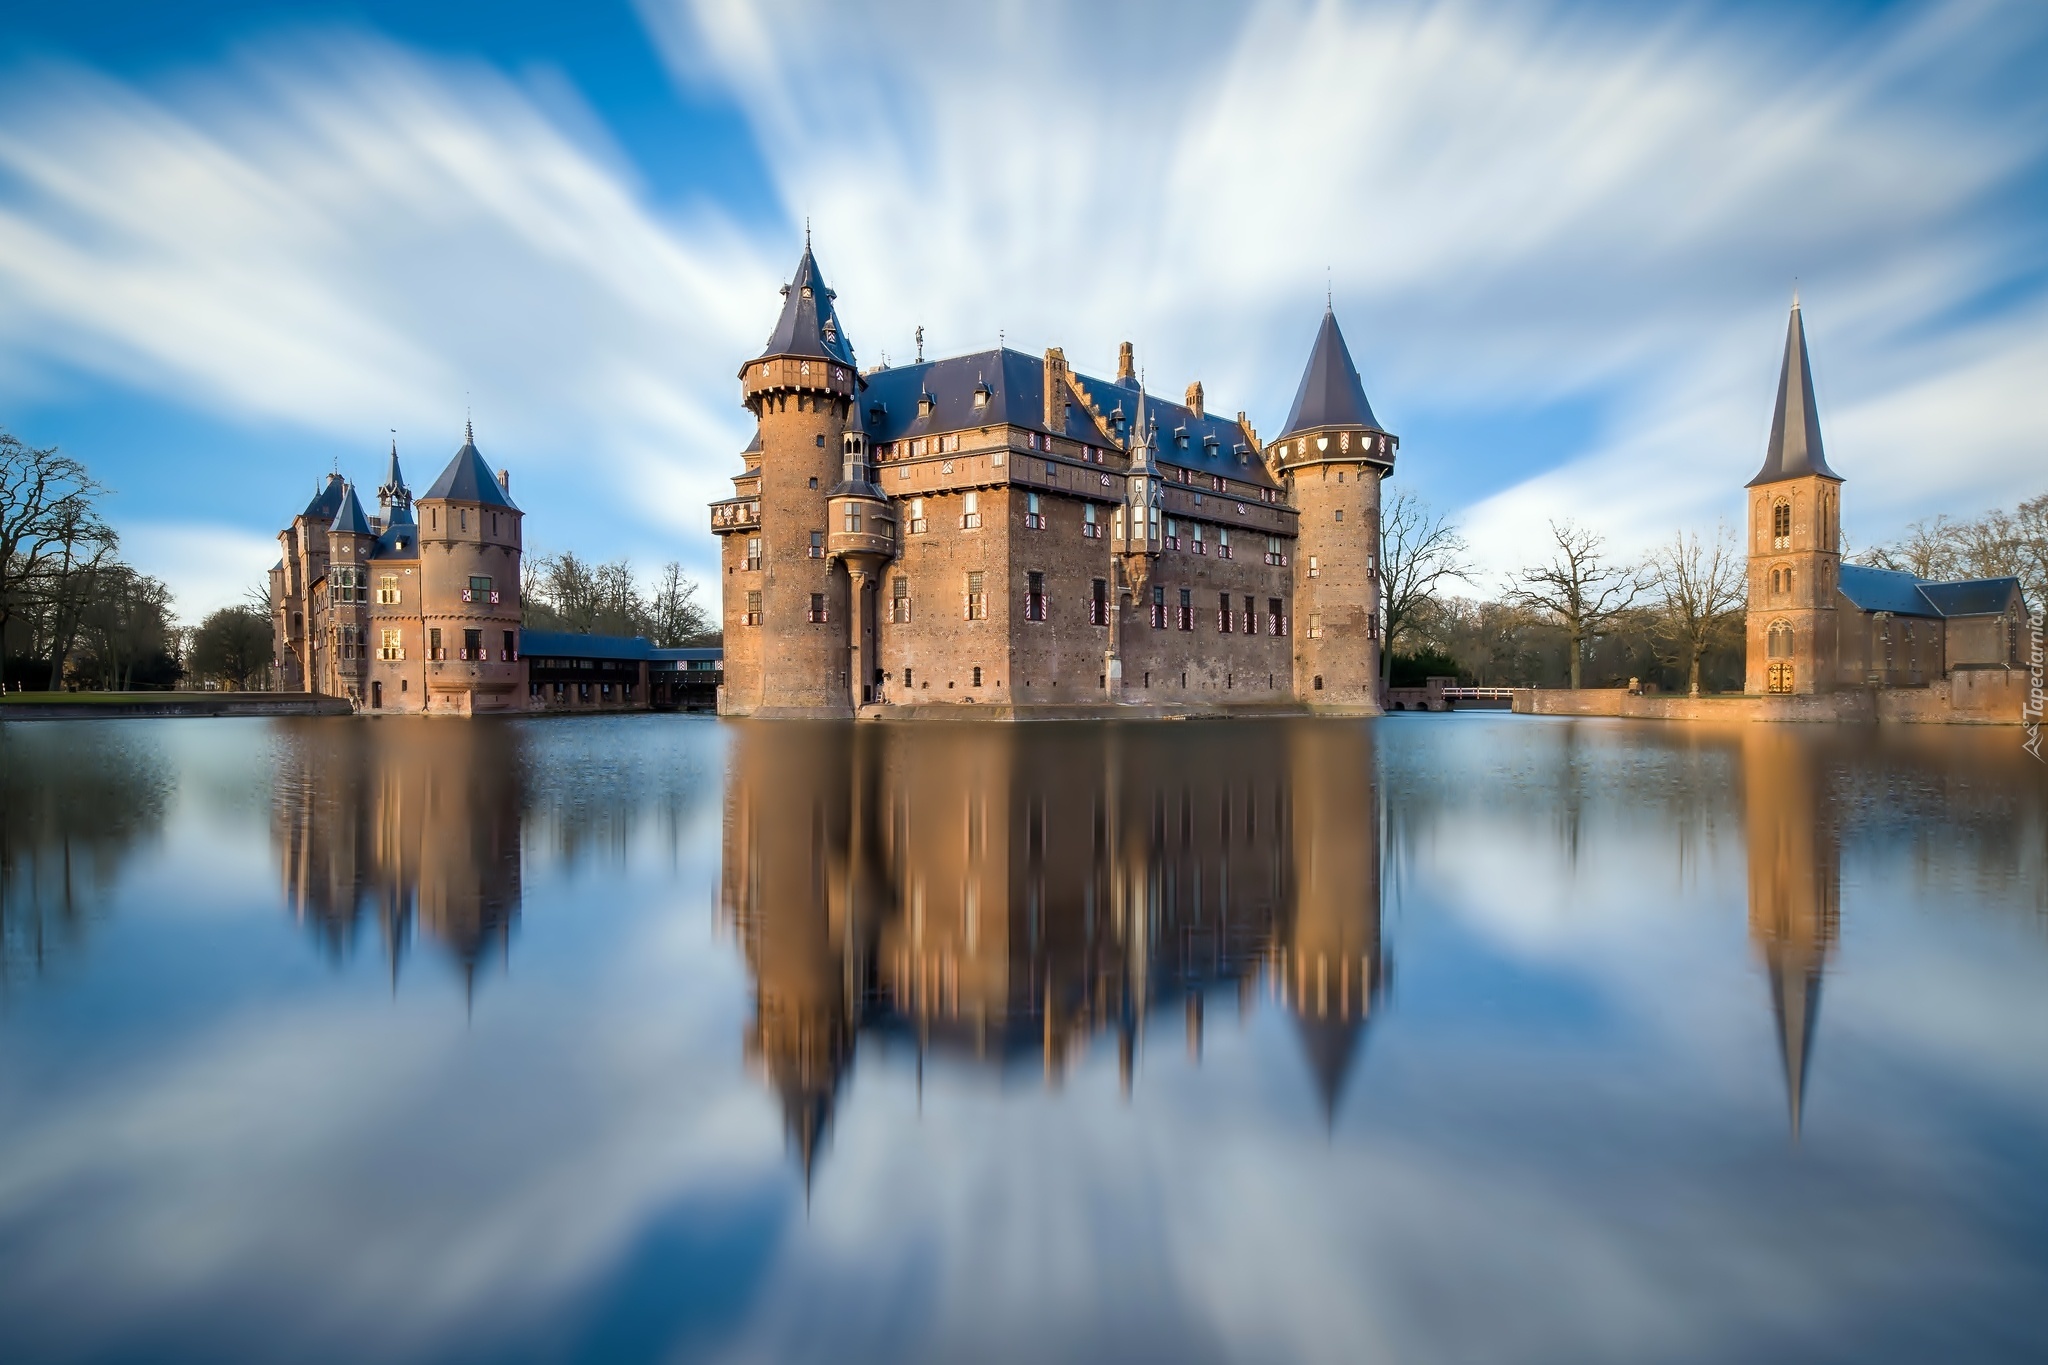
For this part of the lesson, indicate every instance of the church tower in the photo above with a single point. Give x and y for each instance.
(787, 600)
(1795, 542)
(1330, 456)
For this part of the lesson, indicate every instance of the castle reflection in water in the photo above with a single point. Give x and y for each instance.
(1004, 896)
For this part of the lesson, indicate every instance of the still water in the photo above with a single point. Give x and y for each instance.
(1438, 1038)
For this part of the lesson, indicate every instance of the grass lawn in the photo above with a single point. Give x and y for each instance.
(112, 698)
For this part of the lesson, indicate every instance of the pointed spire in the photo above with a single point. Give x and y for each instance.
(1794, 451)
(809, 324)
(1795, 1003)
(1330, 394)
(394, 499)
(469, 479)
(350, 521)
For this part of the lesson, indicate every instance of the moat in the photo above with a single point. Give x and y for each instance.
(1466, 1037)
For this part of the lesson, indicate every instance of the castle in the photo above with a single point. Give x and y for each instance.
(1008, 532)
(415, 609)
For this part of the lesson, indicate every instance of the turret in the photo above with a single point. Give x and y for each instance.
(394, 499)
(1331, 455)
(470, 545)
(862, 538)
(1794, 541)
(787, 647)
(1135, 534)
(350, 542)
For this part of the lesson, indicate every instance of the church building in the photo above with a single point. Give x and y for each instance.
(1005, 531)
(1816, 624)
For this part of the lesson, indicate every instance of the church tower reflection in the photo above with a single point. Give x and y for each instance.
(1009, 896)
(410, 824)
(1795, 885)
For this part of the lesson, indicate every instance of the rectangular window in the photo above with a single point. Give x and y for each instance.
(917, 522)
(899, 601)
(1315, 568)
(970, 512)
(1172, 534)
(1090, 528)
(1372, 565)
(1372, 627)
(434, 644)
(753, 616)
(391, 645)
(1276, 617)
(1198, 547)
(1034, 520)
(510, 653)
(852, 521)
(1340, 514)
(387, 589)
(1216, 482)
(1223, 613)
(479, 589)
(1158, 608)
(1098, 603)
(753, 554)
(1251, 617)
(817, 545)
(977, 600)
(1223, 542)
(1187, 609)
(817, 607)
(1275, 550)
(473, 645)
(1034, 596)
(1315, 625)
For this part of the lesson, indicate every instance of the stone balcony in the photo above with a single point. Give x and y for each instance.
(735, 514)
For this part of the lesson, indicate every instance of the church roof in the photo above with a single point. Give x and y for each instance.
(468, 479)
(327, 502)
(350, 521)
(1016, 397)
(1330, 394)
(809, 324)
(1971, 596)
(1794, 450)
(1889, 590)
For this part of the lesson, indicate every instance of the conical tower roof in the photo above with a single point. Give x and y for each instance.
(327, 501)
(1330, 1044)
(809, 325)
(468, 479)
(350, 521)
(1794, 451)
(1330, 394)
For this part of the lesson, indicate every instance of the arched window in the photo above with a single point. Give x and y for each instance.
(1778, 640)
(1781, 526)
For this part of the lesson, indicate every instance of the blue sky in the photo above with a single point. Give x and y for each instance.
(240, 243)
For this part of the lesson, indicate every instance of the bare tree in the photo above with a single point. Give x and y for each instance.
(1420, 552)
(1579, 589)
(1701, 585)
(677, 617)
(45, 500)
(234, 645)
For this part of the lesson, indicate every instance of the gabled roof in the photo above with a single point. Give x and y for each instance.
(468, 479)
(1885, 590)
(1016, 397)
(1794, 450)
(327, 502)
(809, 325)
(1330, 394)
(1971, 596)
(350, 521)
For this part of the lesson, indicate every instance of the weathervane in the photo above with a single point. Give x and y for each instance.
(920, 343)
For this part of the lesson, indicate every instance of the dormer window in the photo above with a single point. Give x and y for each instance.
(925, 404)
(982, 394)
(1180, 437)
(807, 291)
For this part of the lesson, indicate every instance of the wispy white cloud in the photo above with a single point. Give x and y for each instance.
(1553, 206)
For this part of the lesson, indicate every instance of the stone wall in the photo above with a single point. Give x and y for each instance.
(1968, 697)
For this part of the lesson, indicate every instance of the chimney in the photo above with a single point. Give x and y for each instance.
(505, 479)
(1126, 367)
(1055, 389)
(1195, 398)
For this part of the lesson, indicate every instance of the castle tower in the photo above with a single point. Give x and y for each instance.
(1136, 540)
(1331, 455)
(350, 542)
(786, 608)
(469, 537)
(302, 562)
(1795, 542)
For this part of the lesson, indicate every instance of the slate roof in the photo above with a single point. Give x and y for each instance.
(1016, 384)
(1794, 450)
(1885, 590)
(1330, 394)
(1971, 596)
(327, 502)
(393, 494)
(398, 542)
(809, 324)
(468, 479)
(350, 521)
(568, 644)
